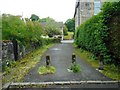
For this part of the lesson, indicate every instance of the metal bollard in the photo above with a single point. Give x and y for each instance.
(73, 58)
(47, 60)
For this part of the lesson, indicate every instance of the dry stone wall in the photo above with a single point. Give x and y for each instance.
(8, 52)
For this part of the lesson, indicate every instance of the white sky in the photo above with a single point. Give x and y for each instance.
(60, 10)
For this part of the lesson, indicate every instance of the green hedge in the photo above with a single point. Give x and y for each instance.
(93, 35)
(26, 32)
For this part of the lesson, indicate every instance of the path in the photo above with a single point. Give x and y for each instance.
(61, 59)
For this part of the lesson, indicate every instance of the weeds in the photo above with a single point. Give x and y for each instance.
(46, 70)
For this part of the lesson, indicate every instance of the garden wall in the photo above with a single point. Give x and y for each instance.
(8, 53)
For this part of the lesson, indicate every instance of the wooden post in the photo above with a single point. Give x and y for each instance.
(15, 48)
(47, 61)
(101, 62)
(73, 58)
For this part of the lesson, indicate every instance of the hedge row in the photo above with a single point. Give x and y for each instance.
(25, 32)
(94, 34)
(13, 27)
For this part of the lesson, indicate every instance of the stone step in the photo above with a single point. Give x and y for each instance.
(63, 84)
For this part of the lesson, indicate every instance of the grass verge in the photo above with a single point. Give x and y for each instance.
(46, 70)
(22, 67)
(69, 36)
(110, 71)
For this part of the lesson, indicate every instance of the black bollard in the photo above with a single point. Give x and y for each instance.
(73, 58)
(47, 61)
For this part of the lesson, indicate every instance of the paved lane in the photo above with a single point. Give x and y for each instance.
(61, 59)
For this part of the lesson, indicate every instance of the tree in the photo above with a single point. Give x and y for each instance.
(34, 17)
(70, 23)
(65, 30)
(51, 26)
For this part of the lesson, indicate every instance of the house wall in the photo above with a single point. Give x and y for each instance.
(84, 10)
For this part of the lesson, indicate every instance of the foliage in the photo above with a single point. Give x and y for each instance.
(112, 71)
(51, 31)
(70, 23)
(48, 19)
(65, 30)
(24, 32)
(35, 30)
(46, 70)
(51, 26)
(93, 34)
(75, 68)
(69, 36)
(50, 40)
(12, 27)
(111, 19)
(34, 17)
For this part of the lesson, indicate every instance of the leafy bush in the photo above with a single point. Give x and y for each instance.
(23, 32)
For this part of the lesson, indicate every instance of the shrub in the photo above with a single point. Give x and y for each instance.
(75, 68)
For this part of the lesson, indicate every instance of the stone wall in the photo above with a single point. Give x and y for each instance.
(0, 56)
(8, 51)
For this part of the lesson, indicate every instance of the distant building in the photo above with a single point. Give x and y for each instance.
(85, 9)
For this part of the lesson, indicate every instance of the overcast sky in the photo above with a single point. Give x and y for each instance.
(60, 10)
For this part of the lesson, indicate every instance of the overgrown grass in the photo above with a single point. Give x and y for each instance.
(110, 71)
(46, 70)
(69, 36)
(21, 67)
